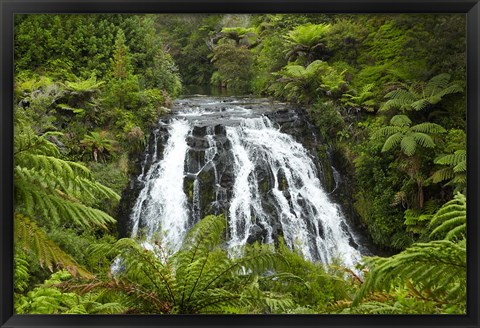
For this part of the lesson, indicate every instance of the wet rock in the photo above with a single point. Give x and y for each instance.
(256, 233)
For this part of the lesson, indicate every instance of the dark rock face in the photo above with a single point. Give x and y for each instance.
(209, 176)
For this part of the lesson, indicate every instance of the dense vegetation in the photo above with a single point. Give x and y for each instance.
(386, 92)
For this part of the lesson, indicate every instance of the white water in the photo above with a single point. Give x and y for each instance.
(311, 223)
(162, 202)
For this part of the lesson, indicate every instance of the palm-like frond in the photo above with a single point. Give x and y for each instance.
(308, 35)
(455, 170)
(59, 190)
(401, 121)
(90, 85)
(419, 97)
(437, 268)
(401, 133)
(30, 237)
(451, 220)
(48, 195)
(200, 277)
(398, 98)
(362, 99)
(408, 145)
(430, 128)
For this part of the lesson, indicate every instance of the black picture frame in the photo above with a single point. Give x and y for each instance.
(471, 8)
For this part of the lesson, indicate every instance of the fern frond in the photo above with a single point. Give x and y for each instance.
(59, 208)
(31, 237)
(386, 131)
(53, 164)
(429, 128)
(452, 216)
(408, 145)
(392, 141)
(423, 139)
(401, 121)
(437, 266)
(398, 99)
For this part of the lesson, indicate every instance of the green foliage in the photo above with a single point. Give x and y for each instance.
(450, 221)
(433, 272)
(307, 41)
(422, 95)
(98, 144)
(31, 238)
(360, 100)
(48, 299)
(437, 271)
(454, 170)
(233, 66)
(241, 35)
(199, 278)
(96, 83)
(52, 188)
(302, 84)
(401, 133)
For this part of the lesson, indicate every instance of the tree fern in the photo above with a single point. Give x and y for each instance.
(437, 269)
(90, 85)
(48, 299)
(420, 96)
(434, 271)
(57, 190)
(199, 278)
(454, 170)
(362, 99)
(401, 133)
(451, 219)
(30, 237)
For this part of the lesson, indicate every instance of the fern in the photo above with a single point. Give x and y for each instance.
(30, 237)
(199, 278)
(401, 133)
(308, 35)
(437, 268)
(434, 271)
(84, 86)
(59, 191)
(49, 299)
(451, 219)
(455, 170)
(419, 97)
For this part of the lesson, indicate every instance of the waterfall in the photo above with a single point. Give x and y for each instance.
(161, 205)
(239, 163)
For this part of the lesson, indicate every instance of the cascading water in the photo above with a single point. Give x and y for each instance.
(224, 156)
(161, 202)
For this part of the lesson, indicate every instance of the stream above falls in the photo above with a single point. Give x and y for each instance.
(252, 160)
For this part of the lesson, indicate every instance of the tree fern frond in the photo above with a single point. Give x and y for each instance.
(55, 165)
(398, 98)
(441, 175)
(401, 121)
(31, 237)
(454, 88)
(423, 139)
(452, 159)
(421, 104)
(460, 167)
(386, 131)
(392, 141)
(451, 216)
(429, 128)
(438, 264)
(408, 145)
